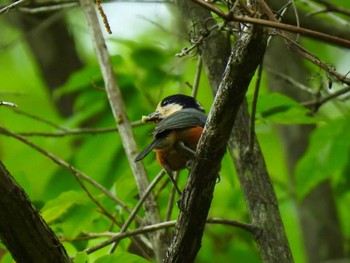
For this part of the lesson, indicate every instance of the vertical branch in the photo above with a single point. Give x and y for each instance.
(254, 104)
(123, 123)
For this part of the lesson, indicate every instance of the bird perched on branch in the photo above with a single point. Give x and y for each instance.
(180, 121)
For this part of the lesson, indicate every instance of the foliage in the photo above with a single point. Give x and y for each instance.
(146, 73)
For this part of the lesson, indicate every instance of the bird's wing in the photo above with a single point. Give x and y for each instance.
(146, 151)
(185, 118)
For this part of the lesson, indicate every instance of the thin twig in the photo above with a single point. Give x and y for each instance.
(296, 19)
(6, 103)
(195, 43)
(39, 119)
(97, 203)
(286, 27)
(290, 80)
(82, 131)
(295, 47)
(7, 8)
(45, 9)
(171, 198)
(68, 167)
(197, 76)
(78, 178)
(155, 227)
(330, 7)
(316, 104)
(138, 206)
(254, 104)
(292, 44)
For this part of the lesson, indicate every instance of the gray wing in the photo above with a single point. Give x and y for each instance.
(181, 119)
(185, 118)
(146, 151)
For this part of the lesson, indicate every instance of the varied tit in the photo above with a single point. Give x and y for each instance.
(180, 121)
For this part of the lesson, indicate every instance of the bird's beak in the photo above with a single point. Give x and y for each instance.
(154, 117)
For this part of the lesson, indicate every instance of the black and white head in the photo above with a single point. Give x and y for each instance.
(171, 104)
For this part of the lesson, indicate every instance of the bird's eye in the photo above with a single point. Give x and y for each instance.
(164, 102)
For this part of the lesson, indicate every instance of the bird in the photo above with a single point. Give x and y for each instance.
(180, 121)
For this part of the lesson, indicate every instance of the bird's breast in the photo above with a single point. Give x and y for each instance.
(172, 156)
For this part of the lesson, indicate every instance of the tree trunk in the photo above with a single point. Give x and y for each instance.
(317, 211)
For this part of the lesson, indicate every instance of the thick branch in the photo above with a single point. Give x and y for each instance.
(22, 230)
(258, 192)
(214, 56)
(198, 193)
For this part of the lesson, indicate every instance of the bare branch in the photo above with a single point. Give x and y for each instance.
(81, 131)
(68, 167)
(139, 205)
(5, 103)
(290, 28)
(156, 227)
(197, 77)
(7, 8)
(118, 108)
(254, 104)
(196, 200)
(316, 104)
(330, 7)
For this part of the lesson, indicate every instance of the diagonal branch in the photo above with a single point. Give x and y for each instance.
(123, 123)
(258, 191)
(78, 174)
(341, 42)
(22, 229)
(243, 61)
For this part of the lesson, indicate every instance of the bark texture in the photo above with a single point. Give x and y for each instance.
(318, 215)
(22, 229)
(243, 61)
(251, 169)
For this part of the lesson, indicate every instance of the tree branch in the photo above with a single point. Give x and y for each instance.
(124, 127)
(286, 27)
(162, 225)
(79, 175)
(271, 239)
(195, 203)
(22, 229)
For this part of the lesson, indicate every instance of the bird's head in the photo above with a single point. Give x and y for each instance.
(172, 104)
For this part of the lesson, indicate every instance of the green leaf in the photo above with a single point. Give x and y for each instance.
(81, 257)
(60, 205)
(78, 219)
(121, 257)
(281, 109)
(326, 156)
(81, 79)
(148, 57)
(86, 78)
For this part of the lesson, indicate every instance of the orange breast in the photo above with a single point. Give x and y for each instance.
(174, 158)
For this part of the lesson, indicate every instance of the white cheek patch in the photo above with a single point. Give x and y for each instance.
(168, 109)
